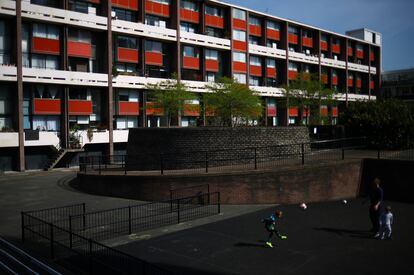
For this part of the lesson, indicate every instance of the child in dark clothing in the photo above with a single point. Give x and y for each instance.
(270, 225)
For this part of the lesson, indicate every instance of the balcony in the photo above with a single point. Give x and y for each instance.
(350, 82)
(192, 63)
(273, 34)
(157, 8)
(127, 108)
(80, 107)
(293, 111)
(212, 65)
(214, 21)
(153, 110)
(292, 75)
(358, 67)
(154, 58)
(324, 78)
(307, 42)
(372, 84)
(190, 16)
(256, 70)
(359, 83)
(64, 77)
(255, 30)
(360, 54)
(239, 67)
(239, 24)
(45, 139)
(205, 40)
(79, 49)
(336, 48)
(334, 111)
(10, 139)
(45, 45)
(271, 111)
(324, 46)
(334, 80)
(127, 55)
(301, 57)
(267, 51)
(46, 106)
(268, 91)
(271, 72)
(333, 63)
(126, 4)
(8, 73)
(350, 51)
(239, 45)
(191, 110)
(372, 57)
(139, 29)
(293, 38)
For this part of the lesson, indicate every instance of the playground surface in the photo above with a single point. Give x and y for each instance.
(327, 238)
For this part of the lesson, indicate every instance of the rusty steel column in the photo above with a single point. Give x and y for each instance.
(110, 107)
(19, 107)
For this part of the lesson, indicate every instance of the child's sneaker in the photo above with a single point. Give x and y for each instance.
(269, 244)
(377, 235)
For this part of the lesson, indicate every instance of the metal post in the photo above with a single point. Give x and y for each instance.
(208, 191)
(171, 202)
(162, 164)
(70, 232)
(255, 158)
(206, 160)
(178, 210)
(99, 165)
(125, 169)
(90, 256)
(129, 220)
(343, 153)
(218, 202)
(83, 216)
(22, 215)
(303, 153)
(52, 252)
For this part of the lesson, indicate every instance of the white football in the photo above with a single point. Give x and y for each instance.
(344, 202)
(303, 206)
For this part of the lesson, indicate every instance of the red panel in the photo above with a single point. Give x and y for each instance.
(350, 51)
(239, 67)
(128, 108)
(46, 106)
(79, 49)
(45, 45)
(239, 24)
(324, 46)
(157, 8)
(191, 110)
(80, 107)
(255, 70)
(153, 58)
(128, 55)
(372, 56)
(350, 82)
(189, 16)
(293, 38)
(239, 45)
(307, 42)
(152, 110)
(133, 4)
(372, 84)
(293, 111)
(305, 112)
(334, 80)
(336, 48)
(273, 34)
(293, 75)
(191, 63)
(335, 111)
(126, 4)
(359, 83)
(324, 111)
(214, 21)
(95, 1)
(324, 78)
(360, 54)
(212, 65)
(271, 72)
(255, 30)
(271, 111)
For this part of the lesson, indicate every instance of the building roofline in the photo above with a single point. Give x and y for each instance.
(408, 70)
(292, 21)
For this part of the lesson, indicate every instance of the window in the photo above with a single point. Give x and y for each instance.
(254, 81)
(213, 11)
(239, 14)
(211, 77)
(359, 47)
(188, 5)
(324, 38)
(78, 6)
(211, 54)
(273, 25)
(126, 122)
(153, 46)
(213, 32)
(254, 21)
(271, 44)
(255, 61)
(45, 31)
(45, 62)
(125, 15)
(306, 68)
(239, 35)
(126, 68)
(307, 34)
(239, 57)
(187, 27)
(190, 51)
(254, 40)
(155, 21)
(271, 63)
(293, 67)
(293, 30)
(240, 78)
(80, 35)
(127, 42)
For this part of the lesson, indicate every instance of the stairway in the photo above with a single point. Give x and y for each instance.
(55, 159)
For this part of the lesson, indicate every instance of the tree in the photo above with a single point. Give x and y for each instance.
(233, 103)
(170, 95)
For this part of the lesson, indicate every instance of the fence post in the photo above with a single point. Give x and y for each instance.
(206, 160)
(125, 165)
(99, 165)
(171, 201)
(83, 216)
(208, 191)
(343, 153)
(90, 256)
(255, 158)
(22, 215)
(70, 232)
(129, 220)
(162, 164)
(178, 210)
(52, 251)
(218, 202)
(303, 153)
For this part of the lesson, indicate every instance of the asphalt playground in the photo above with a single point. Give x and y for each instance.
(327, 238)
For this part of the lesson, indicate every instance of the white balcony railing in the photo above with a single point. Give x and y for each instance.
(333, 63)
(140, 29)
(9, 139)
(205, 40)
(373, 70)
(354, 97)
(268, 91)
(358, 67)
(267, 51)
(45, 139)
(8, 73)
(301, 57)
(64, 77)
(8, 7)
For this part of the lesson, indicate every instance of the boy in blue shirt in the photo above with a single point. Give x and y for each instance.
(270, 225)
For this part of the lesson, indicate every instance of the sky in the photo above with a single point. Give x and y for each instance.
(394, 19)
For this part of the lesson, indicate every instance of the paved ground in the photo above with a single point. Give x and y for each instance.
(328, 238)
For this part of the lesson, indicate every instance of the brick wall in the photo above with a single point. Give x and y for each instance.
(185, 147)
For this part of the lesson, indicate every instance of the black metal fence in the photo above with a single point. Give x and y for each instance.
(73, 240)
(230, 159)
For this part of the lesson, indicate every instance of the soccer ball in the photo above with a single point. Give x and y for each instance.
(344, 202)
(303, 206)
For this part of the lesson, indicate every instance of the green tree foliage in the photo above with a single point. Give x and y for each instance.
(170, 95)
(233, 104)
(387, 123)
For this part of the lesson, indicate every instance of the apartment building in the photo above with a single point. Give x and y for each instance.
(73, 72)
